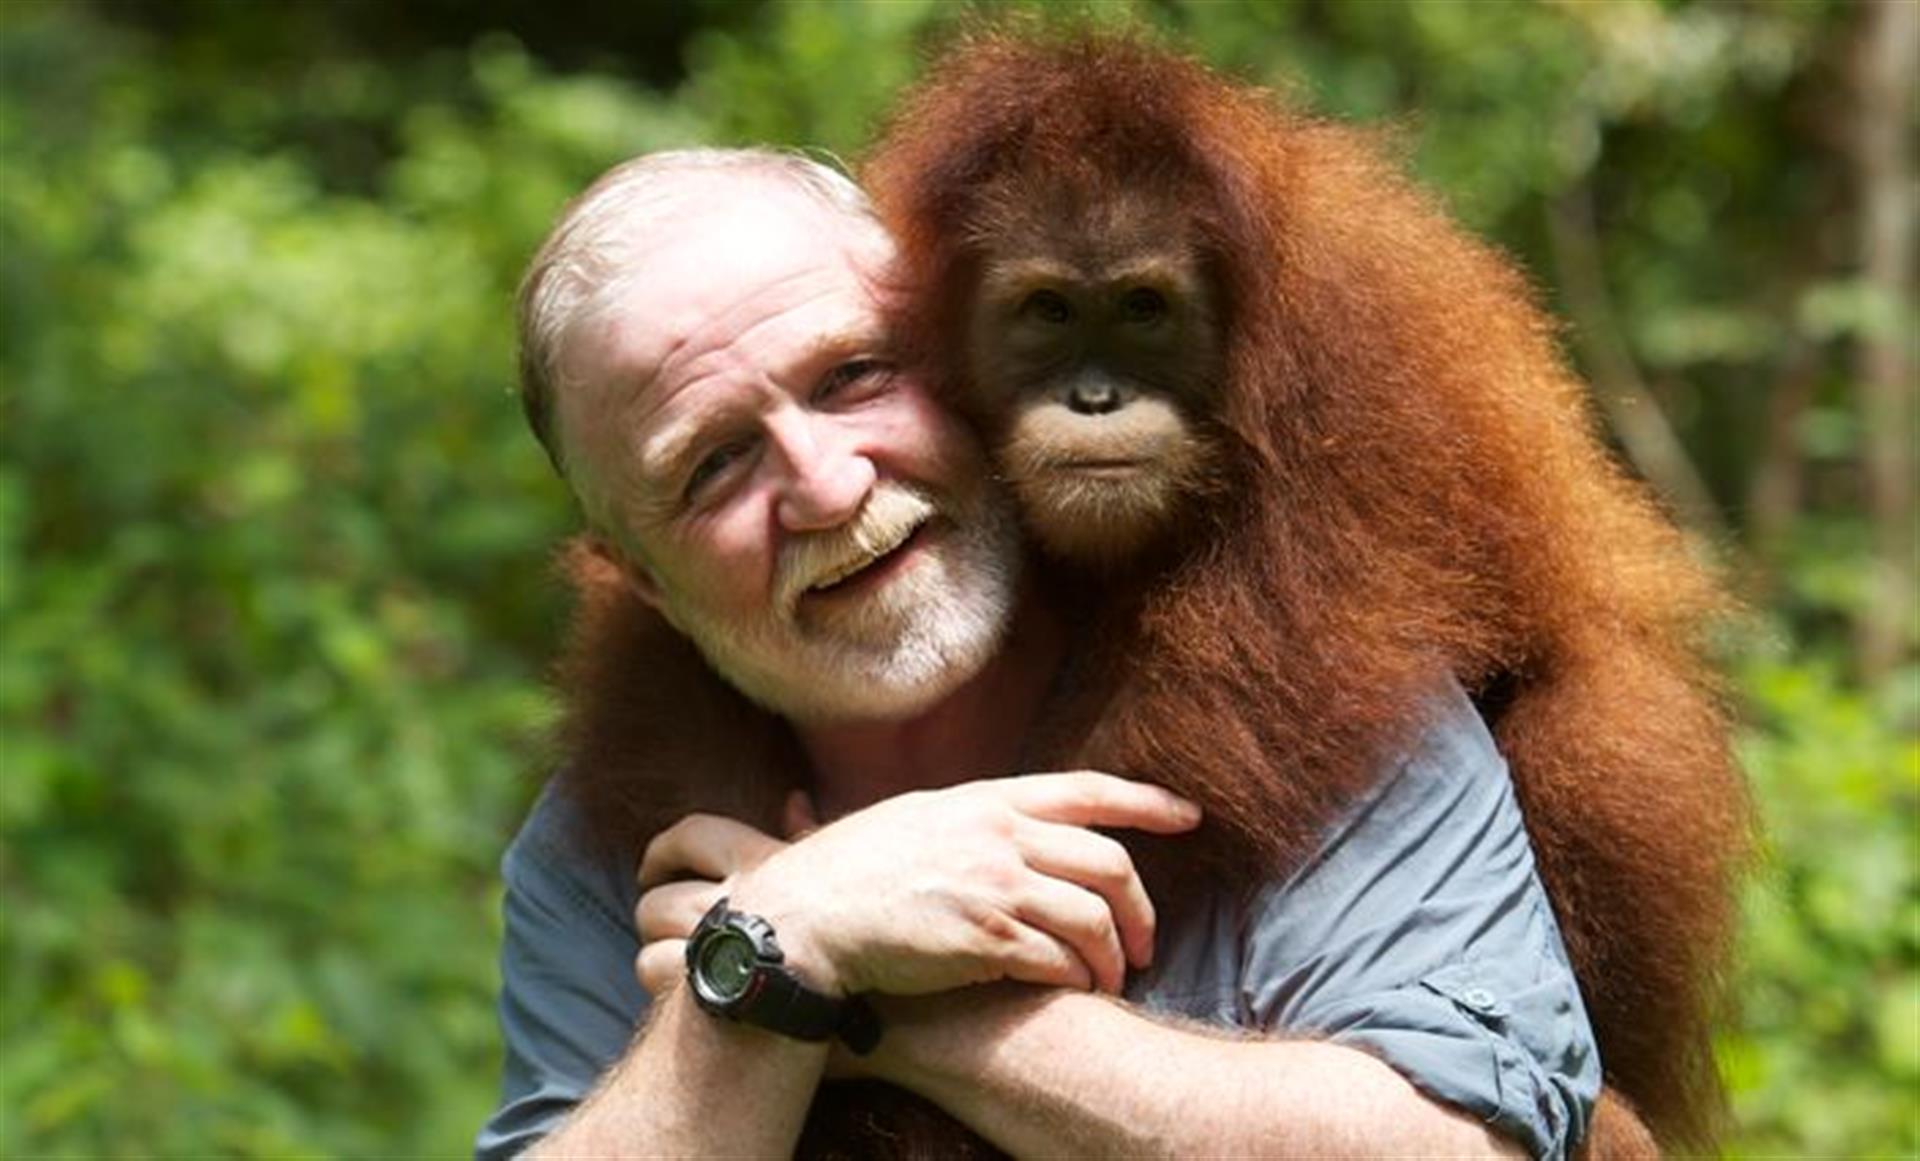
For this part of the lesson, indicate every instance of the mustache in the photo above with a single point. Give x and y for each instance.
(890, 515)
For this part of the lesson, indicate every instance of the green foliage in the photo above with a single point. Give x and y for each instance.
(1827, 1055)
(269, 677)
(767, 86)
(270, 694)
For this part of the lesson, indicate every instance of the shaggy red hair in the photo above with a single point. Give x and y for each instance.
(1413, 483)
(1414, 479)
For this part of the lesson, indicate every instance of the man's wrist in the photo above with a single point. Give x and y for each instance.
(941, 1038)
(812, 962)
(808, 955)
(737, 970)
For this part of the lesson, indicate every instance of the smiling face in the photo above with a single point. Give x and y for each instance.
(790, 500)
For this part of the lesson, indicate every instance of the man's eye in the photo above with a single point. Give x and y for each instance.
(854, 379)
(712, 464)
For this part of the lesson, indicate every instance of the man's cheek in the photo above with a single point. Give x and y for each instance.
(953, 454)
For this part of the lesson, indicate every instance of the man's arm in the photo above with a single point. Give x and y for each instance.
(996, 885)
(693, 1085)
(1071, 1071)
(578, 1081)
(1410, 973)
(1052, 1072)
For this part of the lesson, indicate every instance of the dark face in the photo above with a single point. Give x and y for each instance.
(1094, 352)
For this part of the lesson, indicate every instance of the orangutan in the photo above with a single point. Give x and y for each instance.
(1308, 444)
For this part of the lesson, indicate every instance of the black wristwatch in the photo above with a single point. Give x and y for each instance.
(736, 969)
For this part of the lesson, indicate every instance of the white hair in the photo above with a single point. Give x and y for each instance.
(592, 245)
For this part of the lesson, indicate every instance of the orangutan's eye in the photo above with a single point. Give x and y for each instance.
(1047, 306)
(1143, 304)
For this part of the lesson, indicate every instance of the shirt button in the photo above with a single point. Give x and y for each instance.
(1479, 999)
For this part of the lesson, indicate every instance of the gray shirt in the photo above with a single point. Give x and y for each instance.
(1418, 932)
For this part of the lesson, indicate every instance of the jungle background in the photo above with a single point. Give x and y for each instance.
(275, 605)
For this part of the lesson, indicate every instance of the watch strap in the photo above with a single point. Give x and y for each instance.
(859, 1026)
(778, 1000)
(781, 1002)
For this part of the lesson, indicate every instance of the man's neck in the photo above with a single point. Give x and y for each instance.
(975, 732)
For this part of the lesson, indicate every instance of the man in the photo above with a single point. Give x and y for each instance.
(703, 359)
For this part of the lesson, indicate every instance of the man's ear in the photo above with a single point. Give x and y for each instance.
(633, 572)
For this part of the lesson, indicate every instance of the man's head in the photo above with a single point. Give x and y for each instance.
(702, 356)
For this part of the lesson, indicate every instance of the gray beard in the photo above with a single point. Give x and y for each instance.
(919, 639)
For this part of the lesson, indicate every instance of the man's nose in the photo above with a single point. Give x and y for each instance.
(827, 478)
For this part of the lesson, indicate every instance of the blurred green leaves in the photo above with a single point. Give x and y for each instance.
(1828, 1051)
(270, 526)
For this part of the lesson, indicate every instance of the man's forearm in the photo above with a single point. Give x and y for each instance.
(1056, 1072)
(693, 1085)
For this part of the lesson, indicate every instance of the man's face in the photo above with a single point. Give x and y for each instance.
(732, 419)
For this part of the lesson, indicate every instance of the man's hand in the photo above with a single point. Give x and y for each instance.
(928, 891)
(667, 912)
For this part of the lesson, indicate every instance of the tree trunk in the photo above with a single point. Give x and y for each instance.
(1776, 491)
(1630, 408)
(1889, 55)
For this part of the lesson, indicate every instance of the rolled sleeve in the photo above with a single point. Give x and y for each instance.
(569, 1000)
(1420, 933)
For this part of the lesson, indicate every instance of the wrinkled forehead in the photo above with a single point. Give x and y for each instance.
(693, 260)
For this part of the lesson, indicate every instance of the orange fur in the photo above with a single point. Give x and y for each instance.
(1616, 1133)
(1413, 480)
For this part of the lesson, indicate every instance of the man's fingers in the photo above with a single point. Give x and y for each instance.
(1100, 865)
(797, 817)
(1088, 798)
(661, 966)
(672, 910)
(1044, 959)
(704, 846)
(1080, 919)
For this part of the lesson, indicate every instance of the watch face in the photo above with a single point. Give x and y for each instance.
(725, 967)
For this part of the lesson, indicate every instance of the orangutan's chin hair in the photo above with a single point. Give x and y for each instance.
(900, 651)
